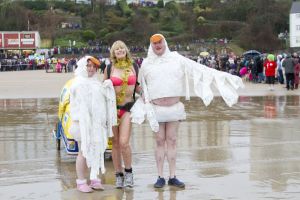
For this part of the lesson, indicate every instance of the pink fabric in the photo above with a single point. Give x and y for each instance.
(84, 188)
(118, 82)
(58, 67)
(243, 71)
(96, 184)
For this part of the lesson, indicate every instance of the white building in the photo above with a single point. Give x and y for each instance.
(295, 25)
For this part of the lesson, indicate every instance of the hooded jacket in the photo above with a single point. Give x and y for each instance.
(288, 65)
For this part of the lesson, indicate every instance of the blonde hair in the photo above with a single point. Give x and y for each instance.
(119, 44)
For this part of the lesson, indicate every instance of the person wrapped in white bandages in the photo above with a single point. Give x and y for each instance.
(165, 76)
(93, 113)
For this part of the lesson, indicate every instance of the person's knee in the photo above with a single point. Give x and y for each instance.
(124, 145)
(160, 141)
(171, 141)
(115, 142)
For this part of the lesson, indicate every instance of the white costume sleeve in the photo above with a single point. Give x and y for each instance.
(184, 70)
(110, 106)
(138, 112)
(141, 109)
(74, 129)
(204, 77)
(74, 104)
(92, 105)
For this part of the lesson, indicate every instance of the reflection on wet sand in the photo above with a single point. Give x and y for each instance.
(280, 168)
(251, 149)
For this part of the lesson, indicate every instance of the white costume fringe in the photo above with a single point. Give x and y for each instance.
(168, 75)
(92, 104)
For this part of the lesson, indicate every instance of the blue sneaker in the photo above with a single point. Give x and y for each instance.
(161, 182)
(175, 182)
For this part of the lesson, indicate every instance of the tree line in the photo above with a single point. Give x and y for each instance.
(251, 24)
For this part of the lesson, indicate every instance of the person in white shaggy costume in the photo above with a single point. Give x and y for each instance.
(165, 76)
(93, 113)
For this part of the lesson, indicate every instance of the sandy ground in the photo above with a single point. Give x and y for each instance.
(39, 84)
(249, 151)
(32, 84)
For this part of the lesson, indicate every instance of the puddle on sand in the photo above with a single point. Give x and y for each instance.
(249, 151)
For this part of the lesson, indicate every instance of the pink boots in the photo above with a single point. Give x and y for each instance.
(82, 185)
(96, 184)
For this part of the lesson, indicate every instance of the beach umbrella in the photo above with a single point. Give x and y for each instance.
(204, 53)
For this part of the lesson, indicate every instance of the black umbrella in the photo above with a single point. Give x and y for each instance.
(251, 53)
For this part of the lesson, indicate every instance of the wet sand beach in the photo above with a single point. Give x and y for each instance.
(249, 151)
(39, 84)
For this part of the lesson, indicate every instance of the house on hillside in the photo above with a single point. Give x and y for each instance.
(295, 25)
(145, 2)
(155, 1)
(113, 2)
(83, 1)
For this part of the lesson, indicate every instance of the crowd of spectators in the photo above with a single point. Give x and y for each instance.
(251, 68)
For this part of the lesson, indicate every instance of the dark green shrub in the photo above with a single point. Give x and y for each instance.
(88, 35)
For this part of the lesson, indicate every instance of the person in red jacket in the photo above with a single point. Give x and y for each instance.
(270, 70)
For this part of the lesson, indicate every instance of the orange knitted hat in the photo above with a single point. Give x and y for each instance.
(95, 61)
(156, 38)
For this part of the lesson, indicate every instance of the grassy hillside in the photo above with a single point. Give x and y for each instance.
(251, 24)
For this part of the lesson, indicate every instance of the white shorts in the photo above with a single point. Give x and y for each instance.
(171, 113)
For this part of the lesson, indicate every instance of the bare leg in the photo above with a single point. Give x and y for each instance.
(81, 167)
(124, 139)
(171, 137)
(160, 148)
(116, 152)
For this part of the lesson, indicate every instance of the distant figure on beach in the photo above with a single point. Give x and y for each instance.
(270, 70)
(288, 65)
